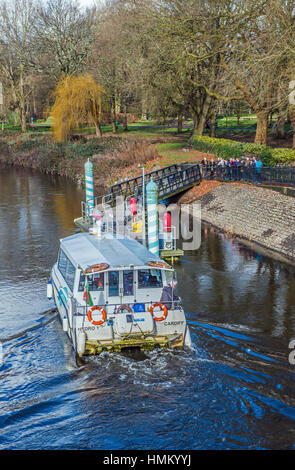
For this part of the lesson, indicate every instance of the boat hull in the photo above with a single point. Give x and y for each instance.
(88, 339)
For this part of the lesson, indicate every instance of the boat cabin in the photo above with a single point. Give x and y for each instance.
(114, 271)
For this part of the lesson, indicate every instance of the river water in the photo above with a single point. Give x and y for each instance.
(234, 390)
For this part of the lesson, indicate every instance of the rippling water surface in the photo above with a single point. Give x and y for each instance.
(234, 390)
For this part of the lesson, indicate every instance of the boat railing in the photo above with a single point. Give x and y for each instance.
(116, 308)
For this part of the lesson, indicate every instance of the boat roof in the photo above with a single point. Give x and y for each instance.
(85, 250)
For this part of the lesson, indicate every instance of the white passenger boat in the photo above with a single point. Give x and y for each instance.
(108, 294)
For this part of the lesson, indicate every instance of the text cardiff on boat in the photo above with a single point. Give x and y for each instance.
(112, 293)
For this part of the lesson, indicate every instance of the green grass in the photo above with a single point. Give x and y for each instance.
(227, 126)
(170, 146)
(172, 152)
(142, 128)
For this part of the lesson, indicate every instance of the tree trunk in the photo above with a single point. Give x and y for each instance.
(179, 123)
(200, 120)
(114, 118)
(213, 125)
(98, 129)
(282, 117)
(22, 104)
(292, 119)
(238, 114)
(118, 104)
(22, 115)
(125, 122)
(261, 131)
(143, 106)
(281, 132)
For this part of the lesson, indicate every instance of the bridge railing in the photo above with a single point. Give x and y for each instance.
(170, 180)
(284, 176)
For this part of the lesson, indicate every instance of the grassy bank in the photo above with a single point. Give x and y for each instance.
(117, 157)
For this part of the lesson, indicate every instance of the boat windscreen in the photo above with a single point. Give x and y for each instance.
(95, 282)
(149, 278)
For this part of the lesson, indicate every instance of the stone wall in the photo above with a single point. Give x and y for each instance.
(260, 215)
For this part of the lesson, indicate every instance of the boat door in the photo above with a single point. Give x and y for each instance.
(128, 285)
(121, 287)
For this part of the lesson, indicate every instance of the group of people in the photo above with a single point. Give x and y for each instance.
(231, 167)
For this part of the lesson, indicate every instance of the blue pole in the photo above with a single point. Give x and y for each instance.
(89, 187)
(152, 213)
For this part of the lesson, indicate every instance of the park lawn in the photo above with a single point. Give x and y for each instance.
(177, 152)
(142, 128)
(150, 128)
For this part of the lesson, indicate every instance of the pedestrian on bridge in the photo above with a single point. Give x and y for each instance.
(258, 166)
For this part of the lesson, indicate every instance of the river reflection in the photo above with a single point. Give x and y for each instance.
(234, 390)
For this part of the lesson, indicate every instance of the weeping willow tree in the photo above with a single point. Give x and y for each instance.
(78, 100)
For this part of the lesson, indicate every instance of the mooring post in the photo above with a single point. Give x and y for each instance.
(89, 183)
(152, 213)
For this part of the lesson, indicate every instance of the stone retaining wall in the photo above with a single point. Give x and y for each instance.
(260, 215)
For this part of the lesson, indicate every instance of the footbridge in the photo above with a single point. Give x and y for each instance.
(171, 180)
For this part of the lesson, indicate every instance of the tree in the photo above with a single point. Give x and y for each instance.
(229, 42)
(256, 61)
(116, 61)
(78, 99)
(65, 38)
(17, 24)
(284, 12)
(194, 33)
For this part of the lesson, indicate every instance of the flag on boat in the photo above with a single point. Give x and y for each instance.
(87, 296)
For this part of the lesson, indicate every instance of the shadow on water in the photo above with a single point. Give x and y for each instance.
(233, 390)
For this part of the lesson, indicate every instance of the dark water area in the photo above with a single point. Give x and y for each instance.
(233, 390)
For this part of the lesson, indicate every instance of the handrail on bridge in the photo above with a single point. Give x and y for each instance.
(281, 176)
(170, 180)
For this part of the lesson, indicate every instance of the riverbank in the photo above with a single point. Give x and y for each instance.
(113, 158)
(256, 215)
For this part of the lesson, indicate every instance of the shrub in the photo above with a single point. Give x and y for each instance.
(225, 148)
(222, 148)
(283, 156)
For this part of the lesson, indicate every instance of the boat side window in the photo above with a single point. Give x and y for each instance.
(113, 283)
(128, 282)
(96, 282)
(70, 275)
(149, 278)
(67, 269)
(62, 263)
(81, 282)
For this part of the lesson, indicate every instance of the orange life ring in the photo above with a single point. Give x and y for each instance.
(159, 264)
(124, 307)
(89, 315)
(162, 307)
